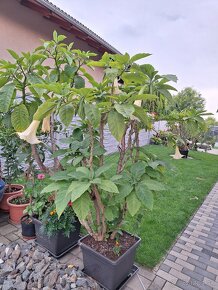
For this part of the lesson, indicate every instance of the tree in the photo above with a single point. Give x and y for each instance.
(187, 99)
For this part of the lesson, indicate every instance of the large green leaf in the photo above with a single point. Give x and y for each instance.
(77, 188)
(139, 56)
(124, 191)
(7, 94)
(103, 169)
(20, 118)
(54, 186)
(60, 175)
(154, 185)
(3, 81)
(13, 54)
(79, 82)
(82, 206)
(145, 196)
(61, 200)
(108, 185)
(116, 123)
(44, 110)
(109, 214)
(133, 204)
(138, 169)
(125, 109)
(92, 114)
(141, 114)
(66, 114)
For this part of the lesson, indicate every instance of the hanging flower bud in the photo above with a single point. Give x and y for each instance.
(46, 124)
(29, 135)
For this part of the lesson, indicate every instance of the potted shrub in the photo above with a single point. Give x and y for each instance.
(11, 168)
(103, 190)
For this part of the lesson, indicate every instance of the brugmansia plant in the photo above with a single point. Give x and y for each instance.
(103, 190)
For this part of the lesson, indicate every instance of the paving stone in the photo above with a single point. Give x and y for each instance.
(157, 284)
(212, 270)
(12, 237)
(179, 255)
(148, 274)
(171, 257)
(177, 249)
(185, 286)
(165, 267)
(167, 276)
(7, 229)
(173, 265)
(211, 283)
(185, 264)
(193, 274)
(197, 263)
(179, 275)
(206, 273)
(188, 254)
(137, 281)
(66, 258)
(169, 286)
(4, 240)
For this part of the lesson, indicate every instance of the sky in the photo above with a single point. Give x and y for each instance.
(182, 36)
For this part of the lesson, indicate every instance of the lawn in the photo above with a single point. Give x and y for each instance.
(188, 182)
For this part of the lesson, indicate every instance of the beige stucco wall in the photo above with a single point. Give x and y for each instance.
(22, 28)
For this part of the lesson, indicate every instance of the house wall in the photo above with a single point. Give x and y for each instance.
(22, 28)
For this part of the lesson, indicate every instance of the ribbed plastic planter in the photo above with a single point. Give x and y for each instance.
(28, 227)
(109, 274)
(57, 244)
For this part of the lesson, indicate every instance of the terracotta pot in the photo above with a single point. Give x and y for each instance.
(16, 210)
(3, 203)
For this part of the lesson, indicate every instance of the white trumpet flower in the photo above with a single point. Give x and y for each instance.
(177, 154)
(138, 103)
(29, 135)
(46, 124)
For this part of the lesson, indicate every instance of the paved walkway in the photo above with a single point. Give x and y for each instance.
(191, 264)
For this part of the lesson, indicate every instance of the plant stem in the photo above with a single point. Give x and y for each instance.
(101, 133)
(122, 149)
(57, 164)
(36, 156)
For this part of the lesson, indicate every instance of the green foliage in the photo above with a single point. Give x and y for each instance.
(52, 224)
(20, 118)
(186, 99)
(10, 144)
(103, 194)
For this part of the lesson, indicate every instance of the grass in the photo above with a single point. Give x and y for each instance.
(188, 182)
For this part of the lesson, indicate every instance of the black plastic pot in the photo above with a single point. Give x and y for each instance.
(109, 274)
(28, 227)
(57, 244)
(184, 153)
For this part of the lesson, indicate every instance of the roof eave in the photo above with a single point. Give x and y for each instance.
(78, 25)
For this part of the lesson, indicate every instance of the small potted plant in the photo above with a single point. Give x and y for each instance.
(27, 227)
(57, 235)
(17, 204)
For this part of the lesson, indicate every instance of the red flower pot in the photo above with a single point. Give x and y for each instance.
(6, 195)
(16, 210)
